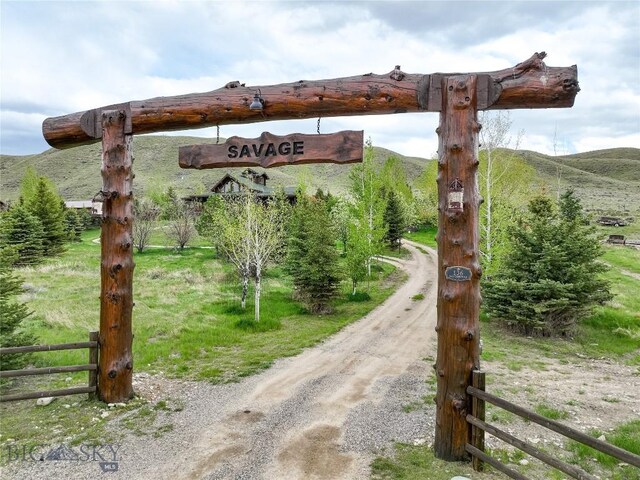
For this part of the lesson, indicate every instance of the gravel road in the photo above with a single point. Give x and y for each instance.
(323, 414)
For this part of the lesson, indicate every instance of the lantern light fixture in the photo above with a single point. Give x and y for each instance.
(258, 102)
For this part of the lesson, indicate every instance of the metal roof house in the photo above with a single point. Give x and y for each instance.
(249, 180)
(94, 208)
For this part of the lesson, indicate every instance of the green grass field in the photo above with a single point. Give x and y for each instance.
(187, 323)
(187, 320)
(426, 236)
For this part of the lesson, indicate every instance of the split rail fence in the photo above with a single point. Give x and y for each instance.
(91, 367)
(479, 426)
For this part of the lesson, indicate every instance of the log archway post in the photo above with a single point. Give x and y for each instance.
(116, 267)
(458, 263)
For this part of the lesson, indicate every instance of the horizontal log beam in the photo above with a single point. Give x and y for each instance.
(509, 472)
(47, 393)
(47, 370)
(530, 84)
(571, 470)
(604, 447)
(47, 348)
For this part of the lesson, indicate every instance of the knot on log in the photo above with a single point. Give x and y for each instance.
(459, 405)
(112, 374)
(397, 74)
(104, 195)
(113, 271)
(570, 85)
(113, 297)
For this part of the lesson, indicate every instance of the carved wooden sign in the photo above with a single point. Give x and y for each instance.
(270, 150)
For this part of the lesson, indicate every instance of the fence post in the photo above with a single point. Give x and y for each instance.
(93, 359)
(477, 411)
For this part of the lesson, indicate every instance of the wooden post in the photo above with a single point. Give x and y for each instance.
(116, 268)
(478, 411)
(458, 262)
(93, 360)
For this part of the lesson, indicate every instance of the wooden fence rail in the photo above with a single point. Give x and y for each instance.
(91, 367)
(479, 426)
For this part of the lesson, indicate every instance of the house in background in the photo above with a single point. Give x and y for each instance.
(248, 180)
(94, 208)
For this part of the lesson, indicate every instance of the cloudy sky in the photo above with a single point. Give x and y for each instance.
(62, 57)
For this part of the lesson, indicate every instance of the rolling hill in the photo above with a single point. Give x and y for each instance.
(606, 180)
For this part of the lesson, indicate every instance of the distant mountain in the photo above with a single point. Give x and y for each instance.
(76, 171)
(606, 180)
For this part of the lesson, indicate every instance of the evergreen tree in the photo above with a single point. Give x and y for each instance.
(29, 184)
(73, 225)
(319, 273)
(297, 242)
(22, 230)
(282, 214)
(550, 276)
(393, 220)
(12, 312)
(48, 206)
(341, 218)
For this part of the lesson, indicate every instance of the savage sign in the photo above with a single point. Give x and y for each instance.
(271, 150)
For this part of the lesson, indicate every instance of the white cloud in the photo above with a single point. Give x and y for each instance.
(61, 57)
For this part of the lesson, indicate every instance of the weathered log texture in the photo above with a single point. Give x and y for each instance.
(116, 268)
(530, 84)
(271, 150)
(458, 263)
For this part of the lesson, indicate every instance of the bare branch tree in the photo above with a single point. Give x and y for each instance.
(146, 213)
(181, 227)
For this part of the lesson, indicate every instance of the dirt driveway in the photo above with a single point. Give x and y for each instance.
(292, 423)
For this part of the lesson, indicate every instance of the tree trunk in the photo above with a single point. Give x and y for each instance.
(530, 84)
(458, 263)
(245, 289)
(116, 269)
(489, 200)
(257, 294)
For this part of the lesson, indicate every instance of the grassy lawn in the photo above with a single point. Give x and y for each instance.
(425, 236)
(625, 436)
(187, 323)
(409, 462)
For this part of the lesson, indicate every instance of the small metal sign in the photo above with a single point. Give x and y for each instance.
(455, 198)
(271, 150)
(458, 274)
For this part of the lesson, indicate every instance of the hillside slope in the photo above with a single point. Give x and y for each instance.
(605, 180)
(76, 171)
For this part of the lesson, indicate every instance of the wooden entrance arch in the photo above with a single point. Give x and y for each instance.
(458, 97)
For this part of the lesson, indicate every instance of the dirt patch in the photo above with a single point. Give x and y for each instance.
(585, 394)
(314, 454)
